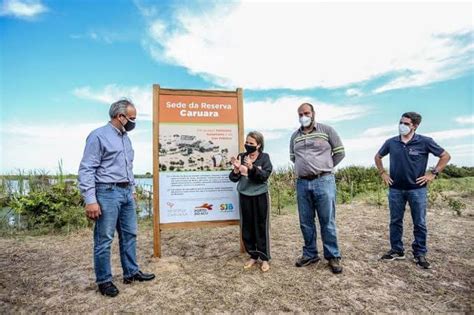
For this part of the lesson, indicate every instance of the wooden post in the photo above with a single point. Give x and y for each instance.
(156, 173)
(240, 103)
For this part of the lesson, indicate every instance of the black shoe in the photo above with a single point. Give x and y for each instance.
(422, 262)
(393, 255)
(335, 265)
(305, 261)
(108, 289)
(139, 276)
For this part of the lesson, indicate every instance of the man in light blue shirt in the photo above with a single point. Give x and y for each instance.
(108, 187)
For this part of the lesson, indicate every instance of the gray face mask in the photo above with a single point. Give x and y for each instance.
(403, 129)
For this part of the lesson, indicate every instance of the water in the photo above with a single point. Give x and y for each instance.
(13, 186)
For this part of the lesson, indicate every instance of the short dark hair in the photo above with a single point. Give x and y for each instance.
(308, 104)
(414, 117)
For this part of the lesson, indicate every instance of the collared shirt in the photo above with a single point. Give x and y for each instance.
(317, 151)
(408, 161)
(108, 158)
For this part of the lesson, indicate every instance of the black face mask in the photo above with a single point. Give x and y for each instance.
(250, 148)
(129, 125)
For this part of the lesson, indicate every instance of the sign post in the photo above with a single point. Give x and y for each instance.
(195, 133)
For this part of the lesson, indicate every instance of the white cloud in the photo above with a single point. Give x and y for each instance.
(305, 45)
(465, 119)
(354, 92)
(461, 150)
(22, 8)
(101, 36)
(140, 96)
(451, 134)
(373, 138)
(281, 113)
(256, 113)
(384, 131)
(361, 150)
(47, 144)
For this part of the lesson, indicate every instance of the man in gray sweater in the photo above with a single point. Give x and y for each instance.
(316, 149)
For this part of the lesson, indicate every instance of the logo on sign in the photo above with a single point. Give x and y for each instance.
(202, 209)
(226, 207)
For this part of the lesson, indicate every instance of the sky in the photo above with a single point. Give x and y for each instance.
(361, 64)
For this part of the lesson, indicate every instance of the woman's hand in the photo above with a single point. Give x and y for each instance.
(248, 162)
(236, 164)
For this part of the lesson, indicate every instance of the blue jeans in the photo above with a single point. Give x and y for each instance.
(318, 195)
(417, 200)
(118, 212)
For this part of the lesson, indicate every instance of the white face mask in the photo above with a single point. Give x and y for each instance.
(305, 121)
(404, 130)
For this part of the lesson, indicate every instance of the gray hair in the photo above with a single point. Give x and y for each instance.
(120, 107)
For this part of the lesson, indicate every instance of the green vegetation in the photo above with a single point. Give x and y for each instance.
(39, 202)
(282, 189)
(356, 183)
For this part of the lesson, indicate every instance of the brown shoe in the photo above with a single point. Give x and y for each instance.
(335, 265)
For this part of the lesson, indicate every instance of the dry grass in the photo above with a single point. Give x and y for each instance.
(202, 271)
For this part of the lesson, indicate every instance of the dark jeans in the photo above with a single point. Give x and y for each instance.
(118, 212)
(255, 223)
(417, 200)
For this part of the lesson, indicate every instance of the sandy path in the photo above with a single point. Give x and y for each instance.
(202, 271)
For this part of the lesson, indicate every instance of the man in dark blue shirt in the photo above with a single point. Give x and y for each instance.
(108, 187)
(407, 181)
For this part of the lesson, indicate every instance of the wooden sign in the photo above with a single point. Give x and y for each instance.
(195, 133)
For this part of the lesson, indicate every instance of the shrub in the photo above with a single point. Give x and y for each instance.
(58, 206)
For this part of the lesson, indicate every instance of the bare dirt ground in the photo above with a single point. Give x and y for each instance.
(201, 271)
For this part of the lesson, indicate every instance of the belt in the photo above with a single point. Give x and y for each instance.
(311, 177)
(121, 185)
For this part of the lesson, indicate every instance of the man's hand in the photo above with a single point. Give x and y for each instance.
(425, 179)
(387, 179)
(93, 211)
(135, 197)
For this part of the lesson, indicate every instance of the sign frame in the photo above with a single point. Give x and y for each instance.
(157, 225)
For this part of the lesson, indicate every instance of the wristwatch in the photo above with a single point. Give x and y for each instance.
(435, 172)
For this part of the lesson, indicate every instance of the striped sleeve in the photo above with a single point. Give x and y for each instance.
(338, 152)
(292, 147)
